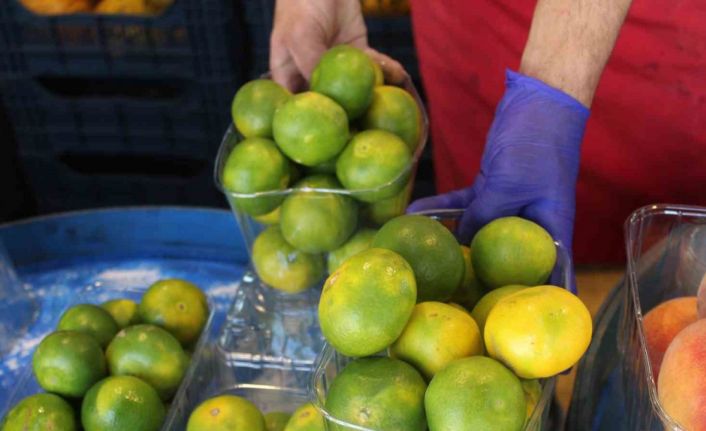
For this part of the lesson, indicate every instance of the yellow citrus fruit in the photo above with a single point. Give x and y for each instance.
(151, 354)
(282, 266)
(470, 290)
(539, 331)
(310, 128)
(431, 250)
(395, 110)
(256, 165)
(271, 217)
(276, 421)
(176, 305)
(124, 312)
(68, 363)
(90, 319)
(360, 241)
(382, 394)
(475, 393)
(375, 165)
(122, 403)
(316, 222)
(254, 106)
(512, 250)
(366, 302)
(436, 335)
(533, 394)
(487, 302)
(347, 75)
(40, 412)
(306, 418)
(226, 413)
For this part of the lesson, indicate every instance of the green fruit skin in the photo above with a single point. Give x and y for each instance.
(254, 106)
(310, 128)
(318, 222)
(68, 363)
(241, 415)
(433, 253)
(350, 84)
(395, 110)
(380, 212)
(126, 412)
(282, 266)
(276, 421)
(90, 319)
(40, 412)
(470, 291)
(360, 241)
(475, 394)
(256, 165)
(151, 354)
(381, 394)
(123, 311)
(374, 165)
(306, 418)
(512, 250)
(355, 307)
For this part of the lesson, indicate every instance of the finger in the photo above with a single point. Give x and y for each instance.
(282, 67)
(392, 69)
(306, 48)
(457, 199)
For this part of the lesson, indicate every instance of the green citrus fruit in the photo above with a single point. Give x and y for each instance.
(310, 128)
(254, 107)
(431, 250)
(470, 290)
(347, 75)
(473, 394)
(256, 165)
(276, 421)
(271, 217)
(436, 335)
(375, 165)
(316, 222)
(327, 167)
(382, 211)
(482, 309)
(176, 305)
(306, 418)
(90, 319)
(539, 331)
(512, 250)
(395, 110)
(366, 302)
(282, 266)
(360, 241)
(68, 363)
(226, 413)
(40, 412)
(151, 354)
(123, 311)
(383, 394)
(122, 403)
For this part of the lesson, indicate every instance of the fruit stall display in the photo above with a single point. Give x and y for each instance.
(663, 329)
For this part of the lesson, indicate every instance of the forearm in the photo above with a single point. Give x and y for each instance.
(570, 42)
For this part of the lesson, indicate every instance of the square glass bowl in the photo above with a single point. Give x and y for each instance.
(330, 362)
(666, 251)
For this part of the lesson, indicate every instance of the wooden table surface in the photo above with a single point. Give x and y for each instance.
(593, 284)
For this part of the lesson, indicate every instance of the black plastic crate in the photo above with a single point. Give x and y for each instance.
(192, 39)
(391, 35)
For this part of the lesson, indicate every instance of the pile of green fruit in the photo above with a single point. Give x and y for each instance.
(118, 363)
(318, 166)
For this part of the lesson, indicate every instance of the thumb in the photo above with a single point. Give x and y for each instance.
(457, 199)
(485, 208)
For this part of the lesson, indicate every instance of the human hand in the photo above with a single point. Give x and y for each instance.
(304, 30)
(529, 166)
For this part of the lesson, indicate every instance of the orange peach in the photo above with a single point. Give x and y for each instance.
(682, 380)
(663, 323)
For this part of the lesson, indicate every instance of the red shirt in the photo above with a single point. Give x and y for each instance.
(645, 141)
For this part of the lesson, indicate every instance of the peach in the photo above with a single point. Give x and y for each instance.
(682, 381)
(663, 323)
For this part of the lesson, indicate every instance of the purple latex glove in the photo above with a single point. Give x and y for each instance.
(529, 165)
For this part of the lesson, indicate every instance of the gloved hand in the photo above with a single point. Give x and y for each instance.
(529, 166)
(304, 30)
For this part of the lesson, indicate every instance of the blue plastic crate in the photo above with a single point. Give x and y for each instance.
(192, 39)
